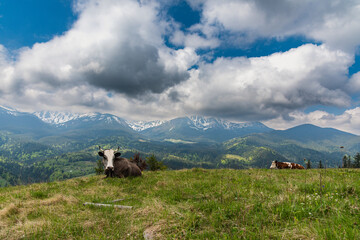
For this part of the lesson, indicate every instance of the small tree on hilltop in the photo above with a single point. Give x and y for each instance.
(154, 164)
(357, 160)
(99, 169)
(345, 161)
(349, 164)
(320, 165)
(307, 163)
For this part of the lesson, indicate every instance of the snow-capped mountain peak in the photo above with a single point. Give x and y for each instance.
(142, 125)
(62, 118)
(9, 110)
(57, 118)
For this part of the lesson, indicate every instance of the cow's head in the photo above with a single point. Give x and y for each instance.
(273, 165)
(109, 156)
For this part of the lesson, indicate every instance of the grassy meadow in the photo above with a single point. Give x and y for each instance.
(189, 204)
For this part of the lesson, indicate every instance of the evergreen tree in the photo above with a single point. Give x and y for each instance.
(154, 164)
(320, 165)
(349, 163)
(308, 164)
(99, 169)
(345, 162)
(357, 160)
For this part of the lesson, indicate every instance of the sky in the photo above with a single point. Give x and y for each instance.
(281, 62)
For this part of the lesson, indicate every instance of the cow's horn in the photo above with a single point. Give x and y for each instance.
(117, 149)
(101, 149)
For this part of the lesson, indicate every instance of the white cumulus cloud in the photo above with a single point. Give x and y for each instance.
(114, 45)
(336, 23)
(269, 86)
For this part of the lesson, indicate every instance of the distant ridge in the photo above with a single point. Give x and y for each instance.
(192, 128)
(67, 119)
(197, 128)
(309, 132)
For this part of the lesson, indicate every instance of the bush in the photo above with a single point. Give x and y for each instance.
(154, 164)
(99, 169)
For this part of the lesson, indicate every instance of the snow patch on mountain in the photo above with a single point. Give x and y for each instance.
(142, 125)
(58, 118)
(9, 110)
(205, 123)
(61, 118)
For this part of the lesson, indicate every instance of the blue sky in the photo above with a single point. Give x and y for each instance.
(283, 63)
(26, 22)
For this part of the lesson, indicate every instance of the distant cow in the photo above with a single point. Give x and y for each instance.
(116, 166)
(282, 165)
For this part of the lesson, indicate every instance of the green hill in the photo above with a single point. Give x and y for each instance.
(189, 204)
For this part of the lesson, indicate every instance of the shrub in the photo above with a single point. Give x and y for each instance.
(154, 164)
(99, 169)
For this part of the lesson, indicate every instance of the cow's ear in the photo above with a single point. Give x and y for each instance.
(118, 154)
(275, 161)
(101, 154)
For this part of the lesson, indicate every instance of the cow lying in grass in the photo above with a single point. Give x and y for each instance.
(116, 166)
(283, 165)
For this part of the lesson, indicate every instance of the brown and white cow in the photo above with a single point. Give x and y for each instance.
(116, 166)
(282, 165)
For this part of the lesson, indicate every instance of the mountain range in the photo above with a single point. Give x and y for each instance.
(46, 145)
(193, 128)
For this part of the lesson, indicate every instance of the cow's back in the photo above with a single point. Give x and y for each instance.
(297, 166)
(283, 165)
(124, 168)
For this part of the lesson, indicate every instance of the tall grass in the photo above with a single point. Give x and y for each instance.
(189, 204)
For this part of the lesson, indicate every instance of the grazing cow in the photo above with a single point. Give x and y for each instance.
(282, 165)
(116, 166)
(139, 162)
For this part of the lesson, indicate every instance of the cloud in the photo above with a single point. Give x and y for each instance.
(349, 121)
(353, 85)
(335, 23)
(193, 40)
(114, 45)
(6, 71)
(270, 86)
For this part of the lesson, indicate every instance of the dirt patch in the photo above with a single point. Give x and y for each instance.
(154, 231)
(10, 211)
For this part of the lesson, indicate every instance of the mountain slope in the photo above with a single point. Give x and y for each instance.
(22, 123)
(317, 138)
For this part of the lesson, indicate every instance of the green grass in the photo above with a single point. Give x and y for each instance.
(189, 204)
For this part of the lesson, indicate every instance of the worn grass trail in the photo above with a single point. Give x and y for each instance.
(189, 204)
